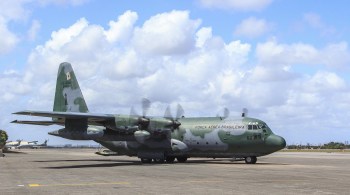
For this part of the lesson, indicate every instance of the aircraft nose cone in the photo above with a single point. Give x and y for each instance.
(276, 142)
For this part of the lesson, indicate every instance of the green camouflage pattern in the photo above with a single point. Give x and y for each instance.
(68, 96)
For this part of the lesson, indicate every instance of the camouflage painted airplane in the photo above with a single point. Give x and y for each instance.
(155, 138)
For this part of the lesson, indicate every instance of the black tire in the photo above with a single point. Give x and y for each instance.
(170, 159)
(159, 160)
(146, 160)
(181, 159)
(250, 159)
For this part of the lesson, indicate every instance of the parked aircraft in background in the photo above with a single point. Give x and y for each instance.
(155, 138)
(32, 145)
(25, 144)
(12, 144)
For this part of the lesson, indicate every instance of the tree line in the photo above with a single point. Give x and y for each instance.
(330, 145)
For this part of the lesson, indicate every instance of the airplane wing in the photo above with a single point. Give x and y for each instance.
(60, 117)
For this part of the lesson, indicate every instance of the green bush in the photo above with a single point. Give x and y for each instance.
(3, 138)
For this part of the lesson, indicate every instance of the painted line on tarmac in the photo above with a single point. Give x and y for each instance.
(78, 184)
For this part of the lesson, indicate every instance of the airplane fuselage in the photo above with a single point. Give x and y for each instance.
(196, 137)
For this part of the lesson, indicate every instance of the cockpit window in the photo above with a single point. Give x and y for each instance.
(253, 127)
(262, 126)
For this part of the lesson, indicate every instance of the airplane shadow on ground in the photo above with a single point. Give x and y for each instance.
(228, 162)
(118, 163)
(112, 163)
(14, 152)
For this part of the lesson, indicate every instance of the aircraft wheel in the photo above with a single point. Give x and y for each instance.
(181, 159)
(250, 159)
(159, 160)
(146, 160)
(170, 159)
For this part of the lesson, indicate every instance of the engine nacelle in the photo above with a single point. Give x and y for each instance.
(178, 146)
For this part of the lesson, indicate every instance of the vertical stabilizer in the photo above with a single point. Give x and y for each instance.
(68, 96)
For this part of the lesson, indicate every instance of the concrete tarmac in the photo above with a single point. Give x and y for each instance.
(80, 171)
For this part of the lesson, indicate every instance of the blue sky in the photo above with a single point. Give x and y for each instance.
(286, 61)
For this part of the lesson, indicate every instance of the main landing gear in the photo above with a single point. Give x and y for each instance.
(250, 159)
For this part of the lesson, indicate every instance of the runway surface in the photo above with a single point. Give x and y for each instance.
(80, 171)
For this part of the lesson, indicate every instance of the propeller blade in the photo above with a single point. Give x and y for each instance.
(180, 111)
(146, 104)
(133, 112)
(226, 112)
(168, 114)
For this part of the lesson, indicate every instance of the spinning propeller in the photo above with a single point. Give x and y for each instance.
(174, 121)
(144, 121)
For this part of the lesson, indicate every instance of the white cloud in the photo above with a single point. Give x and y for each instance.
(34, 29)
(13, 86)
(8, 40)
(14, 10)
(166, 34)
(252, 27)
(121, 30)
(247, 5)
(66, 35)
(324, 82)
(333, 55)
(67, 44)
(314, 21)
(203, 35)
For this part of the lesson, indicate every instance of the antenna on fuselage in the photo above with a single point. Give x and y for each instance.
(244, 112)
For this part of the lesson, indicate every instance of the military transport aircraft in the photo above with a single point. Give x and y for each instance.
(155, 139)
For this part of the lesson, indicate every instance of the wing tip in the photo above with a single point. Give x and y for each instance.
(22, 112)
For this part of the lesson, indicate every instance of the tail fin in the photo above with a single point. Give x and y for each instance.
(68, 96)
